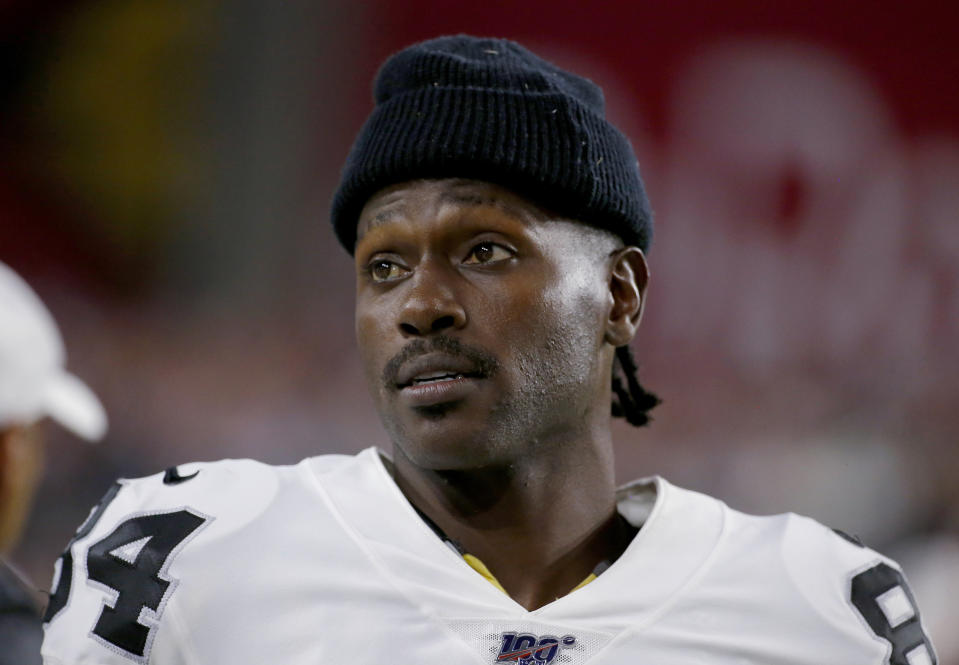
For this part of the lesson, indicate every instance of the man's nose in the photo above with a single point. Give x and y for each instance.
(432, 304)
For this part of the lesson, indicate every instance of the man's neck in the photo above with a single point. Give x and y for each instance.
(541, 526)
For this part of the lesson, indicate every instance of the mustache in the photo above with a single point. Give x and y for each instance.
(485, 364)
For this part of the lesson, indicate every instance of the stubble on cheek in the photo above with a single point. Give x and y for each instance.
(555, 370)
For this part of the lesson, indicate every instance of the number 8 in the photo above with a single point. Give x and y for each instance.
(886, 603)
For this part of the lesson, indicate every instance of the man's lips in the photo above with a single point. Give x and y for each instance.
(426, 365)
(436, 367)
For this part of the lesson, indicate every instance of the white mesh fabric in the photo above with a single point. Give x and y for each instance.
(485, 637)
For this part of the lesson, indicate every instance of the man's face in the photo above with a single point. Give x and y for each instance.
(480, 321)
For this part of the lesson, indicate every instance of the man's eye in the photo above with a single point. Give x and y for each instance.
(487, 252)
(384, 271)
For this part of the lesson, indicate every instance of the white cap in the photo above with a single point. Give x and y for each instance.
(33, 380)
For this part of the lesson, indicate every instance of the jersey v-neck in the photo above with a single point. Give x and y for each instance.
(477, 564)
(679, 532)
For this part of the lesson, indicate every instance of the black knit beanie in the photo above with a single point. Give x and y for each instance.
(489, 109)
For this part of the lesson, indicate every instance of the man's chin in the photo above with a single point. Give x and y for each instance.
(448, 449)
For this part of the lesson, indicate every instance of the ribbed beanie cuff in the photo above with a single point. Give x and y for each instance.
(490, 110)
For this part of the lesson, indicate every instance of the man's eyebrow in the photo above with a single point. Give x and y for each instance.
(383, 216)
(476, 199)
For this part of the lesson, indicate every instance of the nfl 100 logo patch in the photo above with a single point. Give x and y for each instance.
(529, 649)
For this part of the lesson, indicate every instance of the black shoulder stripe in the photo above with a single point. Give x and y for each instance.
(855, 540)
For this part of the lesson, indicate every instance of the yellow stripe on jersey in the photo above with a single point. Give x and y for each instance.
(481, 568)
(589, 578)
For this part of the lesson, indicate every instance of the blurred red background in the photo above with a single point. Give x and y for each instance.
(166, 169)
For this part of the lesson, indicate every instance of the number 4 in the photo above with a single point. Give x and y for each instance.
(131, 563)
(884, 600)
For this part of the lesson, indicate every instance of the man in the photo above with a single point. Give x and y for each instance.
(498, 224)
(33, 385)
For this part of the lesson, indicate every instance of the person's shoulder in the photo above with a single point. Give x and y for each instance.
(196, 478)
(233, 493)
(808, 574)
(161, 544)
(800, 541)
(227, 485)
(813, 555)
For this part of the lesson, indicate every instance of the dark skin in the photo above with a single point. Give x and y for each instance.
(487, 329)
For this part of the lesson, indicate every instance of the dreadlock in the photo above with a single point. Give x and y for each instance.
(632, 402)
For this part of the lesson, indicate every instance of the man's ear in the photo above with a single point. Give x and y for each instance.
(628, 278)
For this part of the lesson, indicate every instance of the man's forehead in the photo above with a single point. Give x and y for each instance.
(397, 200)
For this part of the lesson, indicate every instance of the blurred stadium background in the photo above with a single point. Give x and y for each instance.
(166, 169)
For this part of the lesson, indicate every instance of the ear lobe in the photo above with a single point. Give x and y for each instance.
(628, 278)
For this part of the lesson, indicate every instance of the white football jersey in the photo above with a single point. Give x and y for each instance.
(326, 562)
